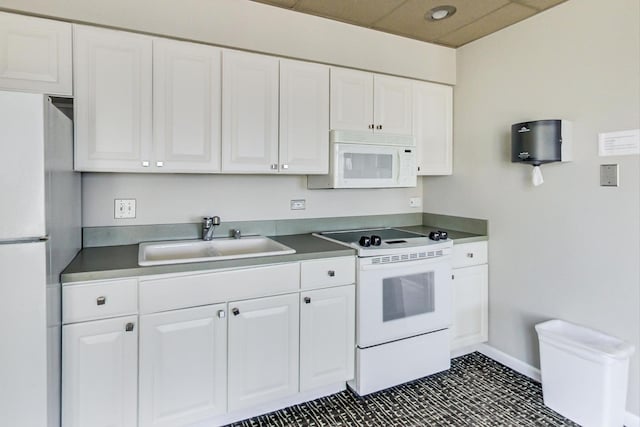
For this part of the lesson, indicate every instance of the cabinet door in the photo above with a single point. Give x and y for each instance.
(263, 350)
(392, 105)
(112, 78)
(249, 113)
(433, 128)
(186, 107)
(35, 55)
(99, 373)
(327, 336)
(351, 99)
(183, 365)
(470, 310)
(304, 118)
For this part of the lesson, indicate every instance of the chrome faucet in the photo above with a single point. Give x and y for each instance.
(236, 234)
(208, 226)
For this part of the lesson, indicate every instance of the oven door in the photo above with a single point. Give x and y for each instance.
(404, 299)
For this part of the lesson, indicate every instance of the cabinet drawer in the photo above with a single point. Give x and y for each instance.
(467, 254)
(183, 291)
(322, 273)
(88, 301)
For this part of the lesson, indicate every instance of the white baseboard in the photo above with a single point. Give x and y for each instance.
(630, 420)
(510, 361)
(464, 350)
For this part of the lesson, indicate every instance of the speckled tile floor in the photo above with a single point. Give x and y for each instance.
(477, 391)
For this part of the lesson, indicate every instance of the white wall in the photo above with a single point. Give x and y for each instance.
(569, 249)
(254, 26)
(167, 199)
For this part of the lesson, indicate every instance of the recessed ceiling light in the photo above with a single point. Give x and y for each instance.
(439, 13)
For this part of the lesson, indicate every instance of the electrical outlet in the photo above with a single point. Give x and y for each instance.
(415, 202)
(124, 208)
(298, 205)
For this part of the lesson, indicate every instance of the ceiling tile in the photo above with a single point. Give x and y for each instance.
(280, 3)
(408, 19)
(539, 4)
(503, 17)
(361, 12)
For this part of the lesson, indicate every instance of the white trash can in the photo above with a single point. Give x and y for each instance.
(584, 373)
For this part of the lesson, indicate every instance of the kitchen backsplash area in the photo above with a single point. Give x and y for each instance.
(173, 198)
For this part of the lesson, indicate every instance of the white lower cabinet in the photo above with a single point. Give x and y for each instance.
(183, 365)
(470, 295)
(213, 347)
(327, 341)
(100, 373)
(263, 350)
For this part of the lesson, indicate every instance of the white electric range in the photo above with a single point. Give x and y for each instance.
(403, 305)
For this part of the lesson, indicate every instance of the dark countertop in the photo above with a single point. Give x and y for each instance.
(113, 262)
(458, 237)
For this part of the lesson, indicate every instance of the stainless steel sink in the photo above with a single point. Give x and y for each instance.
(183, 251)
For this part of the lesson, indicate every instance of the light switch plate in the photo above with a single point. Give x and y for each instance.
(609, 175)
(415, 202)
(124, 208)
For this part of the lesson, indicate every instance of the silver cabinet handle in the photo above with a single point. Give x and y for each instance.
(371, 126)
(285, 166)
(145, 163)
(221, 314)
(331, 273)
(101, 300)
(159, 164)
(235, 311)
(379, 127)
(274, 166)
(129, 327)
(307, 300)
(453, 276)
(469, 254)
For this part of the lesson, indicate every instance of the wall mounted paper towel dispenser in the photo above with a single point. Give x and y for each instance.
(541, 141)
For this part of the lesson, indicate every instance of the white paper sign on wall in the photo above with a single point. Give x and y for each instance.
(622, 143)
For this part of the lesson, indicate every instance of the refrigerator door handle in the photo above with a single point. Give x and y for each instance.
(24, 240)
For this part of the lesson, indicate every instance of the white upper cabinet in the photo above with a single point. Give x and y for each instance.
(249, 112)
(366, 101)
(392, 105)
(351, 99)
(119, 129)
(113, 92)
(35, 55)
(433, 127)
(186, 107)
(304, 118)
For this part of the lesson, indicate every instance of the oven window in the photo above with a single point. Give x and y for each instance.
(407, 296)
(368, 166)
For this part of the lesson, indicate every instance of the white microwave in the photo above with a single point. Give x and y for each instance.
(368, 160)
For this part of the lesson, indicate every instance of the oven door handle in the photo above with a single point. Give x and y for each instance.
(404, 264)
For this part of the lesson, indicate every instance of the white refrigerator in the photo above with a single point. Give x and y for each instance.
(40, 233)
